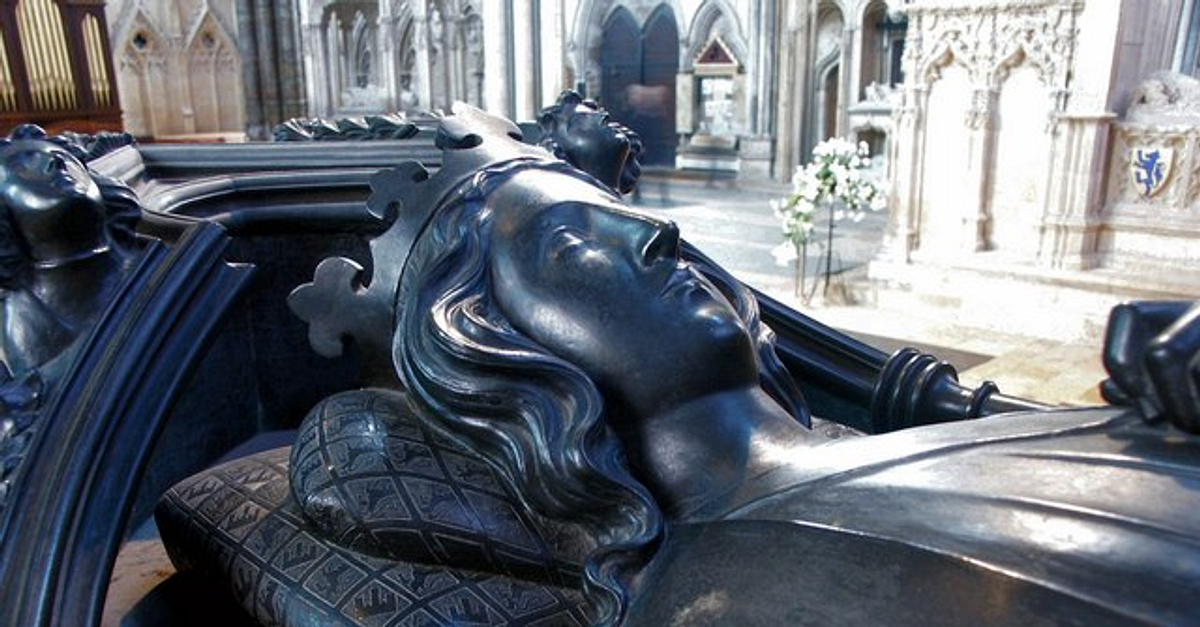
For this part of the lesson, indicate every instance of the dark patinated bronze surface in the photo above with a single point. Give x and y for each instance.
(576, 417)
(611, 383)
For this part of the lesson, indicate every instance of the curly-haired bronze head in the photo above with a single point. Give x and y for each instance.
(579, 131)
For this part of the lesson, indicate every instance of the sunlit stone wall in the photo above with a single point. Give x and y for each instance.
(1151, 220)
(1003, 133)
(179, 70)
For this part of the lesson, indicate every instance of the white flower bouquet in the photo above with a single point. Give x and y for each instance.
(833, 178)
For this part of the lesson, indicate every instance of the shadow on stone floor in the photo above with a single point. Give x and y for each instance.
(186, 600)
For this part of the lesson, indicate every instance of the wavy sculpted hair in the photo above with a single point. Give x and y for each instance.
(536, 417)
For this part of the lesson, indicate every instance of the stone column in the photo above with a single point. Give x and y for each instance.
(525, 34)
(905, 153)
(768, 42)
(1082, 150)
(247, 28)
(318, 78)
(272, 69)
(1076, 192)
(335, 62)
(856, 62)
(981, 121)
(386, 61)
(553, 59)
(846, 74)
(290, 66)
(793, 83)
(267, 79)
(497, 97)
(422, 80)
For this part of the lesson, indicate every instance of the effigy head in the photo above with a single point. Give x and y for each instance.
(473, 359)
(53, 207)
(580, 132)
(532, 316)
(558, 260)
(605, 289)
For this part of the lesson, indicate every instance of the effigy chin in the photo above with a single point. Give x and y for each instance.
(569, 417)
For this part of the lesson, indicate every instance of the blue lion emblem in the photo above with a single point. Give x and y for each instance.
(1149, 170)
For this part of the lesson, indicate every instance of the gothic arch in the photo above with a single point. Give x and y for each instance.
(468, 43)
(638, 61)
(141, 72)
(943, 56)
(946, 197)
(398, 60)
(872, 60)
(406, 64)
(831, 22)
(1021, 148)
(827, 71)
(861, 10)
(400, 13)
(588, 34)
(346, 56)
(715, 17)
(316, 9)
(138, 23)
(1018, 57)
(836, 5)
(455, 61)
(826, 113)
(620, 60)
(214, 76)
(363, 61)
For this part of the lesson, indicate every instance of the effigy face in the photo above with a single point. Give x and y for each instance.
(604, 288)
(581, 133)
(52, 199)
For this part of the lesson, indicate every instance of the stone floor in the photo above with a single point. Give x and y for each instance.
(1025, 353)
(146, 591)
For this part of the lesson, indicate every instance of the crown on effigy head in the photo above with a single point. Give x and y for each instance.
(472, 141)
(337, 304)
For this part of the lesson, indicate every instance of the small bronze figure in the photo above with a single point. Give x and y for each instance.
(581, 133)
(65, 237)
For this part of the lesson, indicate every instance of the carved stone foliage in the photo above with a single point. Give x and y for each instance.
(990, 38)
(1166, 98)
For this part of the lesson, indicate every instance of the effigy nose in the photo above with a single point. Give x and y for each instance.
(662, 243)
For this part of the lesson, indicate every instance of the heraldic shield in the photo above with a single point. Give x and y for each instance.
(1150, 168)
